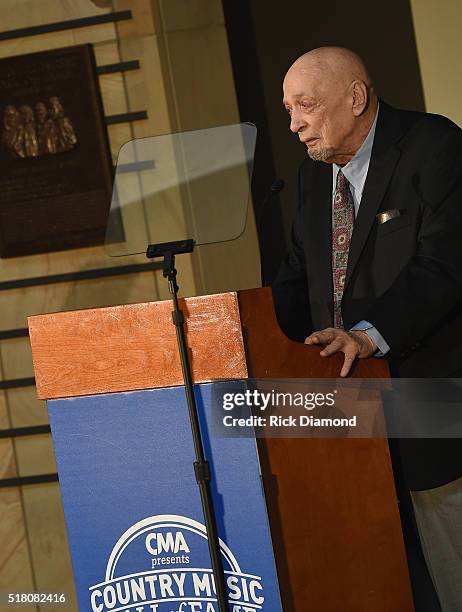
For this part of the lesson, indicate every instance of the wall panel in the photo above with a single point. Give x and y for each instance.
(437, 31)
(15, 563)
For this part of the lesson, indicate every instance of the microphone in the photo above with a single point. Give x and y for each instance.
(276, 187)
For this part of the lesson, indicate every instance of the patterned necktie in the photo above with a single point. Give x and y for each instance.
(342, 227)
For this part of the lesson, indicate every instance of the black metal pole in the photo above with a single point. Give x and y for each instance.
(201, 465)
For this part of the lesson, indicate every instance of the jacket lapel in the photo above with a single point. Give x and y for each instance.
(384, 158)
(319, 234)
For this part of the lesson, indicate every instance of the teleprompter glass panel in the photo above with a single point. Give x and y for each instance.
(173, 187)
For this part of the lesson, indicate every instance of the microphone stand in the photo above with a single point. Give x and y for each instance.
(168, 250)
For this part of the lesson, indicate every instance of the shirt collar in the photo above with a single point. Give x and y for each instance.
(355, 171)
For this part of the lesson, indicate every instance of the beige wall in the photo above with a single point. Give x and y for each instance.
(439, 46)
(185, 82)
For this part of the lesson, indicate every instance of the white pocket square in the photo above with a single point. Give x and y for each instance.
(386, 215)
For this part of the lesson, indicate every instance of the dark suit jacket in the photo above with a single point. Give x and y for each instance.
(404, 276)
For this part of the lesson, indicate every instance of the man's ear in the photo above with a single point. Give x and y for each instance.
(360, 97)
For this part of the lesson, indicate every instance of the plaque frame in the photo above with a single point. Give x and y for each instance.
(56, 184)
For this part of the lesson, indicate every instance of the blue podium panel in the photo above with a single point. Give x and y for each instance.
(133, 510)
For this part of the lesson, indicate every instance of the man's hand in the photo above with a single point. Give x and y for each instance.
(355, 344)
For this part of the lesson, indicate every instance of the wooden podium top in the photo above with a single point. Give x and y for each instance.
(125, 348)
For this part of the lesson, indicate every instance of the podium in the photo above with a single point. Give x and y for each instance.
(327, 508)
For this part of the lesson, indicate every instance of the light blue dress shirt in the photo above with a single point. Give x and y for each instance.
(355, 171)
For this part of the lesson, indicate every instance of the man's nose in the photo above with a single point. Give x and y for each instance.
(296, 122)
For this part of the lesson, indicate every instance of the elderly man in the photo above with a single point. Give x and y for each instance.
(375, 267)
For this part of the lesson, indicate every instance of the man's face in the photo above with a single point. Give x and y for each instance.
(40, 112)
(56, 110)
(26, 114)
(11, 116)
(320, 113)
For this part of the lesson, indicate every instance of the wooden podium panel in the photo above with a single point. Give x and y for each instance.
(331, 502)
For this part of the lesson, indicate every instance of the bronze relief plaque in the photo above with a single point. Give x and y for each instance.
(56, 167)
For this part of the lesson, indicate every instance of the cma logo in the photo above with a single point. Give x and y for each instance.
(158, 543)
